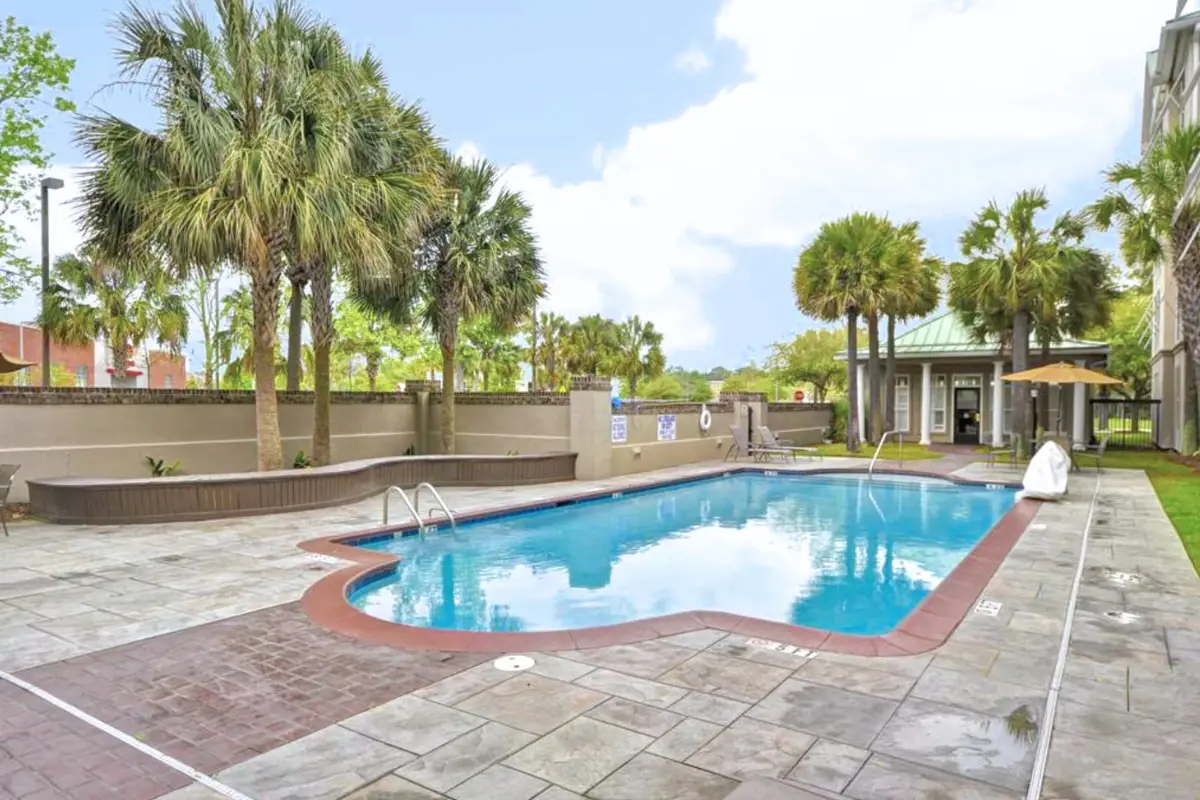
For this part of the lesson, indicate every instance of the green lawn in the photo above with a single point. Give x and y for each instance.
(890, 451)
(1178, 488)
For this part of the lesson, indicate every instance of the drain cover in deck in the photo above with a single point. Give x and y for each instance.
(513, 663)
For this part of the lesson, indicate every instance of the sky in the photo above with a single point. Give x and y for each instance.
(679, 154)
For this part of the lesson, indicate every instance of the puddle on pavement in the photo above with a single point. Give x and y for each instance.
(998, 749)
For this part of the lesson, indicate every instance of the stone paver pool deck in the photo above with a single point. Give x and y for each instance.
(190, 638)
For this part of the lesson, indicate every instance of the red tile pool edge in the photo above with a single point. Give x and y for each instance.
(927, 627)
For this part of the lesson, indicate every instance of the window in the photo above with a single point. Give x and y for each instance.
(81, 375)
(168, 382)
(939, 403)
(901, 403)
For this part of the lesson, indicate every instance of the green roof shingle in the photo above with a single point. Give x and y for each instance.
(946, 335)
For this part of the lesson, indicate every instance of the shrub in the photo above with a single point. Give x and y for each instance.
(836, 431)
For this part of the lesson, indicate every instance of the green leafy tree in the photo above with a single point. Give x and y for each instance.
(1126, 334)
(750, 378)
(128, 304)
(1010, 264)
(230, 172)
(637, 355)
(361, 335)
(33, 77)
(843, 274)
(811, 358)
(1148, 202)
(202, 295)
(477, 257)
(677, 384)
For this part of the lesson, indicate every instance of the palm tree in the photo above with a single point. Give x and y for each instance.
(497, 355)
(590, 344)
(637, 354)
(552, 356)
(393, 147)
(914, 291)
(1143, 202)
(127, 303)
(228, 174)
(476, 257)
(842, 274)
(1011, 264)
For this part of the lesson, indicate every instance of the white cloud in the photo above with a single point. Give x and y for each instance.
(692, 60)
(916, 108)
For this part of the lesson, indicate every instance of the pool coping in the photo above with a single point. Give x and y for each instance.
(926, 627)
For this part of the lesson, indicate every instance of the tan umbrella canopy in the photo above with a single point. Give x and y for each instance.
(10, 364)
(1062, 373)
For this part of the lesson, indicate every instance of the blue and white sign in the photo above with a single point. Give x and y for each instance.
(620, 428)
(666, 427)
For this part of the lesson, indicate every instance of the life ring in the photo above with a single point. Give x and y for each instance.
(705, 419)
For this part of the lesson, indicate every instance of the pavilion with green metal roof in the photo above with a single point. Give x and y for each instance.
(948, 385)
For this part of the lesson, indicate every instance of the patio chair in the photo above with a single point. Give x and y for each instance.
(1096, 456)
(743, 446)
(7, 471)
(1009, 449)
(769, 439)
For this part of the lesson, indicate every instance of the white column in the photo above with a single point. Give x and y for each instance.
(997, 404)
(926, 401)
(862, 405)
(1079, 412)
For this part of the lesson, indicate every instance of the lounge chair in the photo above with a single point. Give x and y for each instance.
(742, 446)
(1008, 449)
(7, 471)
(1096, 455)
(770, 440)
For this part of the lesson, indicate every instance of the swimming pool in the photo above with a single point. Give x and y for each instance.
(833, 552)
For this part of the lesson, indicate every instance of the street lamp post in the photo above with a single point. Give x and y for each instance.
(47, 185)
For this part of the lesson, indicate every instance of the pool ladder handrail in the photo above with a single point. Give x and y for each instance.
(882, 439)
(387, 495)
(437, 498)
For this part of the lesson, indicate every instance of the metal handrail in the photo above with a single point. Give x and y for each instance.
(407, 503)
(437, 497)
(882, 439)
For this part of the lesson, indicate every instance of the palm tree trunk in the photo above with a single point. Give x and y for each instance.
(120, 361)
(1044, 394)
(264, 289)
(875, 414)
(448, 344)
(1187, 281)
(889, 377)
(295, 331)
(322, 333)
(1020, 390)
(372, 373)
(852, 387)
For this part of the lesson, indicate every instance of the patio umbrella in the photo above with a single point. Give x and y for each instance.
(10, 364)
(1062, 372)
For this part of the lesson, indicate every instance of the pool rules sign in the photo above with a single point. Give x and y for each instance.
(620, 428)
(666, 427)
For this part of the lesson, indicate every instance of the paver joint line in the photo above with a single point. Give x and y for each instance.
(1043, 749)
(157, 755)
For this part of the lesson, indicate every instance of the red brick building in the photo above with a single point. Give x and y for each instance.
(89, 363)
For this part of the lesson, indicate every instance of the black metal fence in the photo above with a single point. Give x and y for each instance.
(1131, 424)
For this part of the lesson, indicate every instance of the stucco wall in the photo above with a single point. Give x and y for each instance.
(642, 451)
(525, 424)
(800, 423)
(95, 433)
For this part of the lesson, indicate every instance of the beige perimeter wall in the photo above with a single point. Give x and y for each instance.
(643, 452)
(112, 439)
(799, 423)
(522, 424)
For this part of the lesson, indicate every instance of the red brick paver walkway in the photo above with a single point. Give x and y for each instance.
(217, 694)
(46, 753)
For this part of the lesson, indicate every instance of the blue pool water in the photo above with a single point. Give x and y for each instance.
(831, 552)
